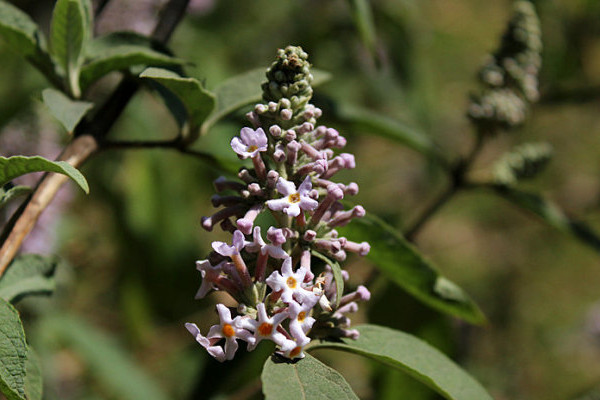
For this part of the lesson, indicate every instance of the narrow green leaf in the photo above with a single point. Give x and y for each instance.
(245, 89)
(12, 193)
(371, 123)
(107, 362)
(337, 276)
(33, 380)
(306, 379)
(119, 51)
(413, 356)
(68, 31)
(67, 111)
(402, 263)
(13, 167)
(13, 353)
(19, 31)
(198, 101)
(363, 19)
(550, 213)
(28, 274)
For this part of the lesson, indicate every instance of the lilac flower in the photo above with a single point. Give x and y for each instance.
(290, 283)
(293, 201)
(237, 245)
(251, 143)
(215, 351)
(300, 322)
(266, 327)
(259, 245)
(294, 348)
(209, 273)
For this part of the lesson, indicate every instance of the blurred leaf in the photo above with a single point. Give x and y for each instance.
(68, 31)
(369, 122)
(523, 162)
(28, 274)
(33, 380)
(363, 19)
(23, 35)
(108, 363)
(305, 379)
(337, 276)
(13, 353)
(407, 268)
(413, 356)
(550, 213)
(12, 193)
(67, 111)
(13, 167)
(244, 89)
(198, 101)
(119, 51)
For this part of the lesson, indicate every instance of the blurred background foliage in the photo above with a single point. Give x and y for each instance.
(114, 328)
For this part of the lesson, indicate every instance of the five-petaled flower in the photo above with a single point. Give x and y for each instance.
(291, 285)
(266, 327)
(293, 200)
(251, 143)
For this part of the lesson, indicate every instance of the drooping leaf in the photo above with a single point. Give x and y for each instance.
(198, 101)
(363, 19)
(13, 353)
(108, 363)
(19, 31)
(306, 379)
(33, 380)
(67, 111)
(121, 50)
(28, 274)
(550, 213)
(376, 124)
(12, 193)
(407, 268)
(68, 32)
(245, 89)
(337, 276)
(413, 356)
(15, 166)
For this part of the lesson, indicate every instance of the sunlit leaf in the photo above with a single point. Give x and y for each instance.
(108, 363)
(66, 110)
(13, 167)
(413, 356)
(13, 353)
(306, 379)
(245, 89)
(28, 274)
(33, 380)
(12, 193)
(337, 276)
(119, 51)
(407, 268)
(19, 31)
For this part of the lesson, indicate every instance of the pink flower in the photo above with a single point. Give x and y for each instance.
(290, 283)
(237, 245)
(300, 322)
(209, 273)
(266, 327)
(251, 143)
(259, 244)
(293, 201)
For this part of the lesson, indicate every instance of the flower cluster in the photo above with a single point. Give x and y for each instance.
(287, 286)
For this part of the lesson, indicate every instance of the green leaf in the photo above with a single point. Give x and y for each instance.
(119, 51)
(245, 89)
(67, 111)
(33, 380)
(23, 35)
(369, 122)
(13, 167)
(402, 263)
(108, 363)
(13, 353)
(550, 213)
(68, 31)
(413, 356)
(12, 193)
(28, 274)
(306, 379)
(363, 19)
(198, 101)
(337, 276)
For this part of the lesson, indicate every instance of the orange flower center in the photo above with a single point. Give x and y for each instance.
(228, 330)
(265, 329)
(301, 316)
(294, 198)
(291, 282)
(252, 148)
(295, 351)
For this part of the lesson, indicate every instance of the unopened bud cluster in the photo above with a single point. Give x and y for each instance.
(285, 286)
(524, 162)
(511, 74)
